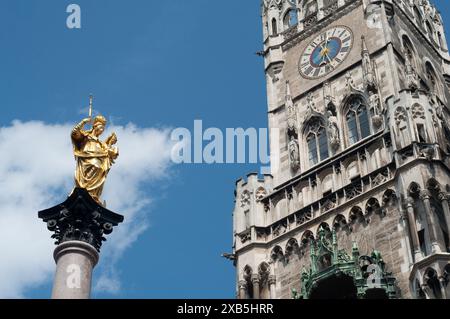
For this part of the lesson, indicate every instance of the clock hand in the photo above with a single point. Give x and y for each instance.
(325, 44)
(329, 60)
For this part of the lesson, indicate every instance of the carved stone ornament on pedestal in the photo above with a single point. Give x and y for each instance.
(294, 153)
(333, 131)
(375, 105)
(412, 79)
(80, 218)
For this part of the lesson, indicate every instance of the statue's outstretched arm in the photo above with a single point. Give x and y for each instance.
(77, 132)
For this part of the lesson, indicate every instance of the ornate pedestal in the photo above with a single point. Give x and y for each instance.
(79, 225)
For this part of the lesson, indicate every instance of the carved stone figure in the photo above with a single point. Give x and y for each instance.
(333, 130)
(375, 105)
(412, 80)
(294, 153)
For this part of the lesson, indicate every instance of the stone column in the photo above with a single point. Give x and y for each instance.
(442, 285)
(242, 289)
(272, 281)
(444, 198)
(255, 282)
(411, 219)
(432, 225)
(75, 261)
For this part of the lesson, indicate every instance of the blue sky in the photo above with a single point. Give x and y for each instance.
(155, 64)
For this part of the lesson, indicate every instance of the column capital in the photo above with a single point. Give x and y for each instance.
(255, 279)
(242, 284)
(409, 202)
(80, 218)
(443, 196)
(424, 287)
(425, 194)
(272, 280)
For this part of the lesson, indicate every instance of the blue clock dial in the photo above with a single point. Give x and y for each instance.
(326, 52)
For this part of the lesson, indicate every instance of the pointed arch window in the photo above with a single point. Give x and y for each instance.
(357, 118)
(317, 143)
(274, 27)
(291, 18)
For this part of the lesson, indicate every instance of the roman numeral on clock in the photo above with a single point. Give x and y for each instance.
(346, 39)
(309, 71)
(316, 72)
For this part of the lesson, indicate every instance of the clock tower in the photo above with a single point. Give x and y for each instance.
(358, 203)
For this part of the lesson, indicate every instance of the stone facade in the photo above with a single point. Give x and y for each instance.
(363, 150)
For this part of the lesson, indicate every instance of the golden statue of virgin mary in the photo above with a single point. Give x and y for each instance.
(94, 157)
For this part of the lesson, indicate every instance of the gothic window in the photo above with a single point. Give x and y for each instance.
(422, 133)
(274, 27)
(317, 143)
(422, 243)
(357, 121)
(290, 18)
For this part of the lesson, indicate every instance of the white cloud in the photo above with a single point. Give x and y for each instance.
(36, 172)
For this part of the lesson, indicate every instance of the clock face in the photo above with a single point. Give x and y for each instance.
(326, 52)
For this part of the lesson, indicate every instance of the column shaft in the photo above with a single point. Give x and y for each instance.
(432, 225)
(445, 206)
(255, 282)
(272, 282)
(443, 290)
(413, 230)
(75, 261)
(242, 289)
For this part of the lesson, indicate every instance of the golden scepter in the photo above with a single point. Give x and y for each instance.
(91, 98)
